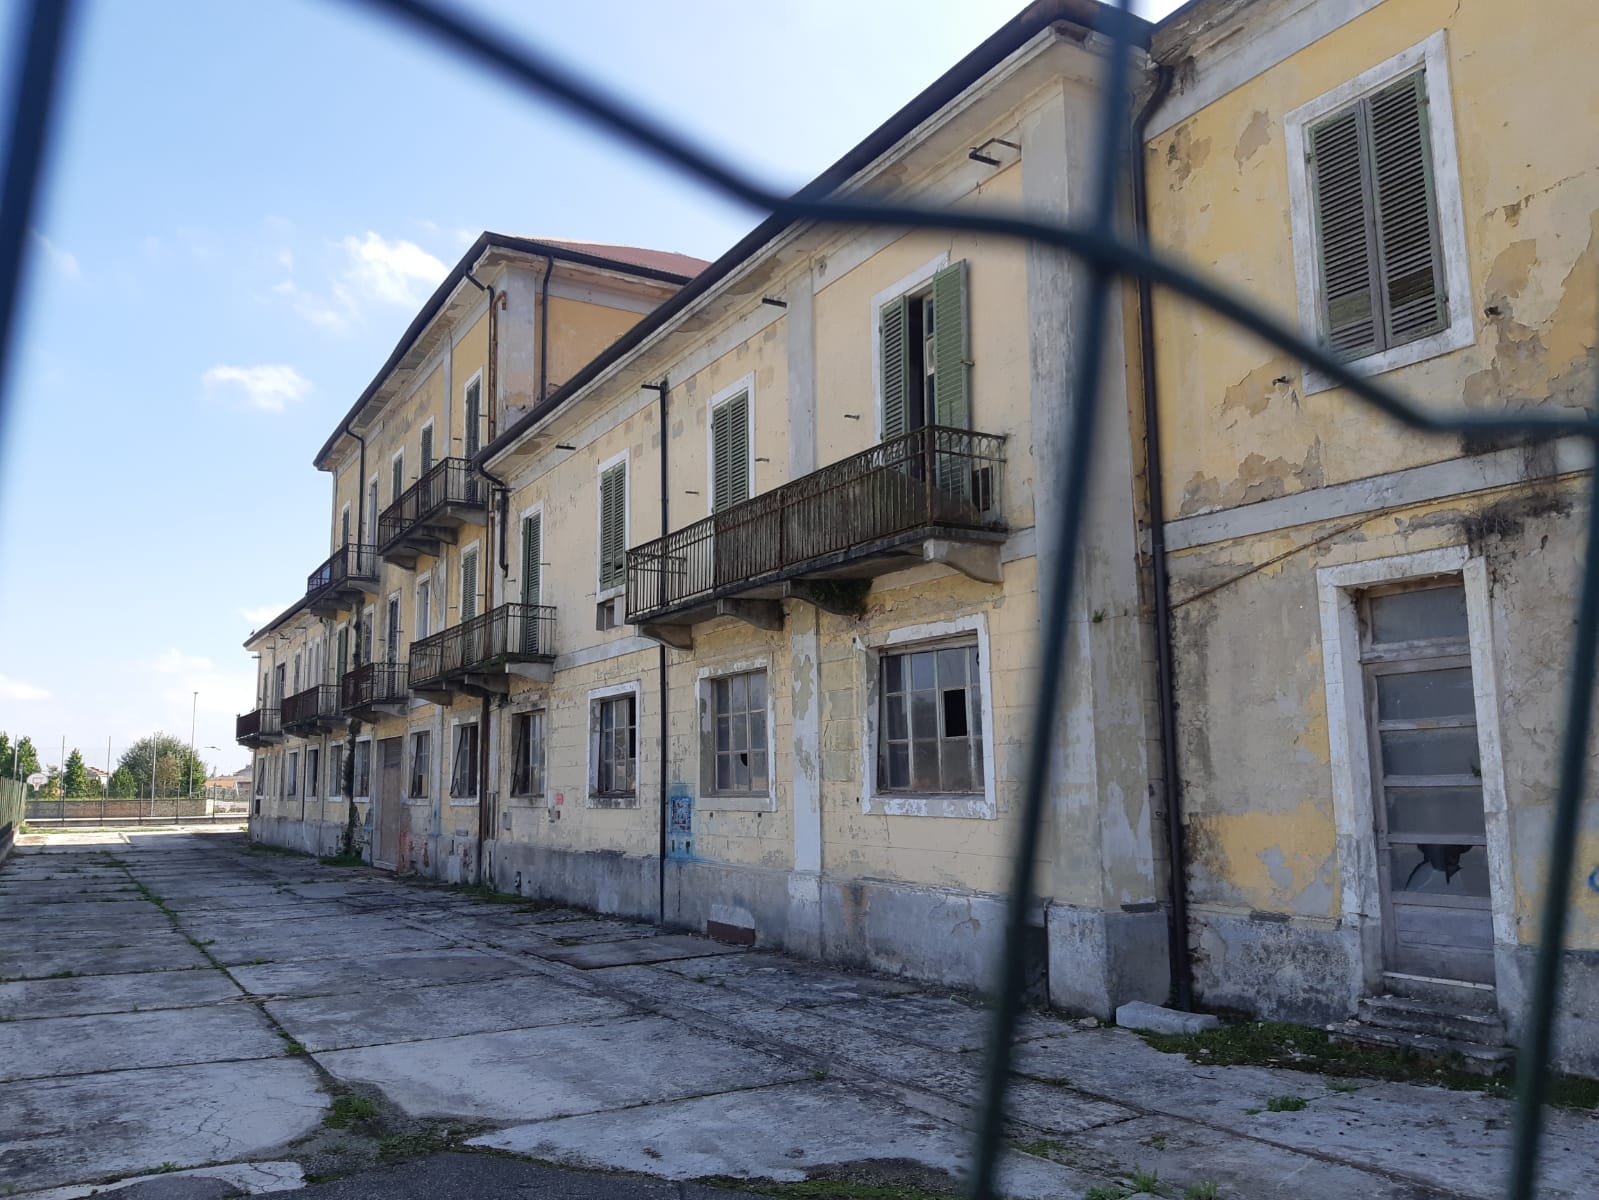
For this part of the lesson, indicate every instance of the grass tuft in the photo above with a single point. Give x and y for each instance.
(1286, 1104)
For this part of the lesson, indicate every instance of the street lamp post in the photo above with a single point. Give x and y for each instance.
(193, 709)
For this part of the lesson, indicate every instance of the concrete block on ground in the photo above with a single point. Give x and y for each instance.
(1137, 1014)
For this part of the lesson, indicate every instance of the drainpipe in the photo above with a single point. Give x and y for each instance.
(544, 330)
(360, 491)
(1171, 787)
(661, 389)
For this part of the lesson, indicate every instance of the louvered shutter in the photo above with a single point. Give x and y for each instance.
(397, 478)
(613, 526)
(1344, 235)
(469, 585)
(1406, 212)
(730, 453)
(951, 348)
(394, 630)
(344, 527)
(427, 448)
(894, 325)
(474, 402)
(532, 553)
(344, 651)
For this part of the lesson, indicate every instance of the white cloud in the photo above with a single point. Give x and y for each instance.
(398, 272)
(15, 689)
(64, 262)
(260, 616)
(270, 387)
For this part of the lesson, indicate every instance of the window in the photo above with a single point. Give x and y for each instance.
(295, 690)
(313, 771)
(464, 763)
(469, 584)
(613, 526)
(344, 650)
(930, 735)
(393, 629)
(372, 511)
(336, 770)
(344, 526)
(396, 476)
(363, 769)
(424, 602)
(421, 750)
(364, 638)
(292, 779)
(1378, 232)
(260, 778)
(527, 754)
(473, 411)
(730, 451)
(925, 355)
(738, 734)
(427, 447)
(616, 746)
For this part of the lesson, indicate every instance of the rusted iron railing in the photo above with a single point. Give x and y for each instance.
(373, 683)
(312, 708)
(450, 481)
(252, 727)
(347, 565)
(509, 633)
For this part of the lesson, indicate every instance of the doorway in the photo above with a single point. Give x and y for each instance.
(390, 802)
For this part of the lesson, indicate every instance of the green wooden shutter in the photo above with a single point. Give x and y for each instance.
(894, 325)
(952, 349)
(397, 469)
(474, 402)
(730, 453)
(532, 552)
(1413, 298)
(1345, 242)
(344, 527)
(344, 650)
(427, 448)
(613, 526)
(469, 585)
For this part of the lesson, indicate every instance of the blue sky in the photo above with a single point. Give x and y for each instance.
(245, 205)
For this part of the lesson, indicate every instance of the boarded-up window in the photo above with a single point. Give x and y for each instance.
(613, 526)
(730, 452)
(1377, 246)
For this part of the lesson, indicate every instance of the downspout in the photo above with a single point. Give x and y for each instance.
(661, 389)
(489, 384)
(1155, 499)
(544, 330)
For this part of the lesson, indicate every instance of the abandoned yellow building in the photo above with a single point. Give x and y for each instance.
(723, 592)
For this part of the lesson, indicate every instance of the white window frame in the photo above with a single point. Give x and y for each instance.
(369, 623)
(334, 789)
(372, 494)
(422, 613)
(291, 775)
(915, 281)
(355, 782)
(482, 409)
(745, 386)
(634, 688)
(1338, 590)
(1431, 54)
(338, 530)
(602, 594)
(450, 797)
(510, 741)
(704, 687)
(313, 777)
(410, 764)
(430, 423)
(535, 510)
(394, 605)
(398, 457)
(869, 651)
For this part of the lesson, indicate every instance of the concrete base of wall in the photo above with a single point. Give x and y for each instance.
(1577, 1010)
(1277, 969)
(308, 837)
(605, 881)
(1099, 961)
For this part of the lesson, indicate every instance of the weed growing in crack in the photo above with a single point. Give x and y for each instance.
(1204, 1190)
(347, 1109)
(1286, 1103)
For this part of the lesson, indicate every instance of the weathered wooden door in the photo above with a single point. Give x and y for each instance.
(390, 801)
(1432, 845)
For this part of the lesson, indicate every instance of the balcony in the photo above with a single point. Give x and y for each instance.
(314, 711)
(479, 656)
(341, 583)
(431, 511)
(932, 495)
(375, 689)
(258, 728)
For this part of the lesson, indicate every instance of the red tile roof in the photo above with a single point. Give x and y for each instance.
(638, 256)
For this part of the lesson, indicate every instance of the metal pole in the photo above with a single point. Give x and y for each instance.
(155, 750)
(193, 709)
(61, 779)
(105, 793)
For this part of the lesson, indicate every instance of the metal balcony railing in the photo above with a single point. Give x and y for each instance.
(448, 483)
(315, 709)
(480, 644)
(373, 683)
(932, 479)
(349, 566)
(256, 728)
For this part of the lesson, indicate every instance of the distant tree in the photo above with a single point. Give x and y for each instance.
(123, 785)
(76, 780)
(20, 760)
(51, 788)
(177, 771)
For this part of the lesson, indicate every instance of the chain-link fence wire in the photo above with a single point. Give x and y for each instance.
(1109, 256)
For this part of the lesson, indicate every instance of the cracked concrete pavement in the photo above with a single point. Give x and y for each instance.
(179, 1004)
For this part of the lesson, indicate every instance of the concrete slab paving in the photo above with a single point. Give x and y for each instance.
(59, 1046)
(252, 1179)
(407, 1014)
(779, 1133)
(112, 993)
(330, 976)
(941, 1023)
(90, 1127)
(529, 1074)
(318, 939)
(632, 951)
(162, 955)
(786, 981)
